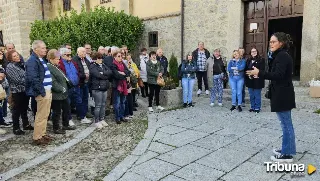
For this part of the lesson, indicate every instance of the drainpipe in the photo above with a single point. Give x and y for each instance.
(42, 8)
(182, 29)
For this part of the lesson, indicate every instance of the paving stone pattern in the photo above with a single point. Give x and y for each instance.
(211, 143)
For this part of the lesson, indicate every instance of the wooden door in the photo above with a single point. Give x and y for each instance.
(285, 8)
(255, 12)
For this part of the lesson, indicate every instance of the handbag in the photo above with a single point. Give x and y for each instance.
(268, 92)
(160, 81)
(3, 93)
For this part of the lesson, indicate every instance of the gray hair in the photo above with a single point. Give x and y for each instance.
(9, 43)
(107, 47)
(36, 44)
(114, 49)
(80, 48)
(63, 51)
(100, 47)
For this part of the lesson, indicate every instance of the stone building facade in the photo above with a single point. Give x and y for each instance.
(218, 23)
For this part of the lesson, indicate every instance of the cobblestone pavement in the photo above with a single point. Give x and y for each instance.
(211, 143)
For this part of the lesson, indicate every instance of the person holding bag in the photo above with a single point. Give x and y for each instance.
(154, 71)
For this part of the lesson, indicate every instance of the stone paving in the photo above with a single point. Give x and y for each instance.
(211, 143)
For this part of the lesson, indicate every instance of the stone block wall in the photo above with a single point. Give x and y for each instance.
(218, 23)
(16, 17)
(169, 34)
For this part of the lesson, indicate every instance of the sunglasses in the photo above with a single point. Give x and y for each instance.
(68, 55)
(119, 56)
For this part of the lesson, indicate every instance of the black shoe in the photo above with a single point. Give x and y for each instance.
(233, 108)
(5, 125)
(68, 127)
(29, 127)
(89, 115)
(78, 118)
(251, 110)
(107, 112)
(282, 158)
(257, 111)
(239, 109)
(190, 104)
(118, 122)
(185, 105)
(18, 132)
(135, 104)
(123, 120)
(59, 131)
(134, 109)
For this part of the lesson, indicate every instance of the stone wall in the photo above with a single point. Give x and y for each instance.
(310, 50)
(218, 23)
(169, 34)
(16, 17)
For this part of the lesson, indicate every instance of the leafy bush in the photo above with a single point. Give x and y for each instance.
(101, 27)
(173, 69)
(170, 84)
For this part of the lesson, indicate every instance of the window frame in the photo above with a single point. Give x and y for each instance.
(66, 5)
(151, 36)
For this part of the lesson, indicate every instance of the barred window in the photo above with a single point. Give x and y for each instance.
(104, 1)
(66, 5)
(153, 39)
(1, 39)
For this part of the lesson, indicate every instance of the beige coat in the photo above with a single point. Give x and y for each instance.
(209, 68)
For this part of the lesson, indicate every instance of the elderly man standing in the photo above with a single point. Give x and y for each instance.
(200, 56)
(88, 50)
(163, 61)
(38, 85)
(83, 65)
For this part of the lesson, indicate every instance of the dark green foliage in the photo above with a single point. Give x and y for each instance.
(173, 69)
(100, 27)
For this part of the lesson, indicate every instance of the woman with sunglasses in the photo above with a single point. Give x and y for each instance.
(120, 74)
(99, 84)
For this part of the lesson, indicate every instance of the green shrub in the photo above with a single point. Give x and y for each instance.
(100, 27)
(173, 69)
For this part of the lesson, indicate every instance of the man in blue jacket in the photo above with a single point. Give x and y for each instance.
(38, 85)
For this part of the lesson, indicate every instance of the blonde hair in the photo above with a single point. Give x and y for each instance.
(233, 53)
(52, 54)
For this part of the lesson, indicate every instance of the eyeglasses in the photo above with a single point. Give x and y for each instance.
(273, 42)
(119, 56)
(68, 55)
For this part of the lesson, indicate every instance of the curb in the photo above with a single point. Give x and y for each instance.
(139, 150)
(45, 157)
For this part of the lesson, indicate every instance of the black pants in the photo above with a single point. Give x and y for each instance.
(154, 91)
(129, 105)
(134, 92)
(243, 93)
(144, 90)
(57, 106)
(20, 109)
(200, 76)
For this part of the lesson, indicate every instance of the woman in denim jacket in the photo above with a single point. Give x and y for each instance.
(188, 70)
(236, 68)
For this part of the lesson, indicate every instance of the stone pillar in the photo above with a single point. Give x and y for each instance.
(310, 49)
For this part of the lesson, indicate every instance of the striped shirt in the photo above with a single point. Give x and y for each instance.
(47, 81)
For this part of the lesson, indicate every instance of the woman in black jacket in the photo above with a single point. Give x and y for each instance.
(255, 83)
(99, 84)
(282, 93)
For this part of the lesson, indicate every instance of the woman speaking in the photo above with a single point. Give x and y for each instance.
(281, 93)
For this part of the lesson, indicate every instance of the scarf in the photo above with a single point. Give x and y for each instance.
(122, 84)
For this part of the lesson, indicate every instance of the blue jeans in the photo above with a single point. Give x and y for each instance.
(236, 84)
(217, 88)
(119, 104)
(255, 98)
(288, 137)
(187, 87)
(75, 99)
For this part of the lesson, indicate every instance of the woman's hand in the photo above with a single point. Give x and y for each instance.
(255, 71)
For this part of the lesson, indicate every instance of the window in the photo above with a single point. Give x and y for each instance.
(153, 39)
(1, 39)
(104, 1)
(66, 5)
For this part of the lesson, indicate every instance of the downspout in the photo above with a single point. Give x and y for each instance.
(182, 29)
(42, 8)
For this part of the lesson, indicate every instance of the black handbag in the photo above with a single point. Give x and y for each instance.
(268, 92)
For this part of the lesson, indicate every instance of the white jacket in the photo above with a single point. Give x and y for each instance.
(143, 66)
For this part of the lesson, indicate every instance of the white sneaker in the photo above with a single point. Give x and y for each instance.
(160, 108)
(2, 131)
(85, 121)
(199, 92)
(103, 123)
(127, 118)
(71, 123)
(211, 104)
(220, 104)
(98, 125)
(150, 109)
(207, 92)
(131, 117)
(276, 151)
